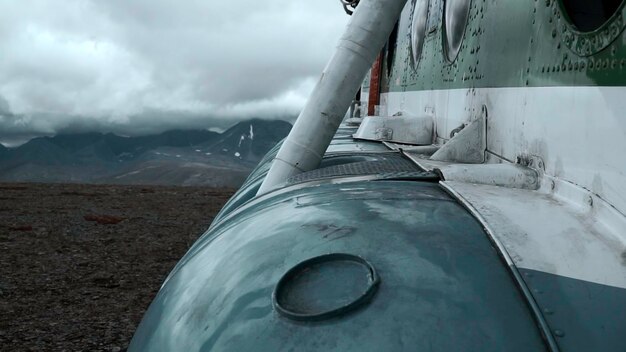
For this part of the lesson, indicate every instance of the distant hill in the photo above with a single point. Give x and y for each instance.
(178, 157)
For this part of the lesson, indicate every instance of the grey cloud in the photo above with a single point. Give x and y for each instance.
(148, 65)
(5, 108)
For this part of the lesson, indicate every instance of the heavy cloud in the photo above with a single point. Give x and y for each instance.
(143, 66)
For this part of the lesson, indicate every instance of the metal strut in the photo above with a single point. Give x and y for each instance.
(365, 35)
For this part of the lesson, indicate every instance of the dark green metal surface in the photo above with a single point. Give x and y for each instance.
(443, 286)
(584, 316)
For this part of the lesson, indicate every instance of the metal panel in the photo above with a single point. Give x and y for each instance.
(442, 286)
(581, 141)
(541, 232)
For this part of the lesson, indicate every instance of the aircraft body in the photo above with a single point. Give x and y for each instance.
(474, 200)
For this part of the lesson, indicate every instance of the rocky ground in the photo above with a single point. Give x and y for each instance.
(79, 264)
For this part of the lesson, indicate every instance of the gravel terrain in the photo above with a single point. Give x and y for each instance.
(79, 264)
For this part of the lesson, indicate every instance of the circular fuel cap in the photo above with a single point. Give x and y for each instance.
(325, 287)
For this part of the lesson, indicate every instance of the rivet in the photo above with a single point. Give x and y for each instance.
(590, 200)
(552, 185)
(559, 333)
(548, 311)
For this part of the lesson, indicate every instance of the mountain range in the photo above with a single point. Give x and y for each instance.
(177, 157)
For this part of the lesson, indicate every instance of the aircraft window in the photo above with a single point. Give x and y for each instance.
(589, 15)
(456, 14)
(418, 29)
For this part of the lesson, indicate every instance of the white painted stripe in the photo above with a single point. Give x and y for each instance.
(539, 232)
(579, 132)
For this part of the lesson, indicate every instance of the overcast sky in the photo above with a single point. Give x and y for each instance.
(143, 66)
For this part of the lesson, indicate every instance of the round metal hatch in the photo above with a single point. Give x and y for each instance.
(456, 14)
(418, 29)
(325, 287)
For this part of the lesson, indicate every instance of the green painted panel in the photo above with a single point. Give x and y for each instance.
(584, 316)
(513, 43)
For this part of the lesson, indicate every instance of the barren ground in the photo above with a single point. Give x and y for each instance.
(79, 264)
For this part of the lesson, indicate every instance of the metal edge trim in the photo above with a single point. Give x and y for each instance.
(415, 161)
(530, 300)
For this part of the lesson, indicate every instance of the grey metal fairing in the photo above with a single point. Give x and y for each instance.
(443, 287)
(569, 260)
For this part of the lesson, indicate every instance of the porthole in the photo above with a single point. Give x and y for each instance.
(418, 29)
(456, 14)
(589, 15)
(591, 25)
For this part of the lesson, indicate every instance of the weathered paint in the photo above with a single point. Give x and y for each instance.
(541, 232)
(442, 287)
(578, 132)
(584, 316)
(510, 43)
